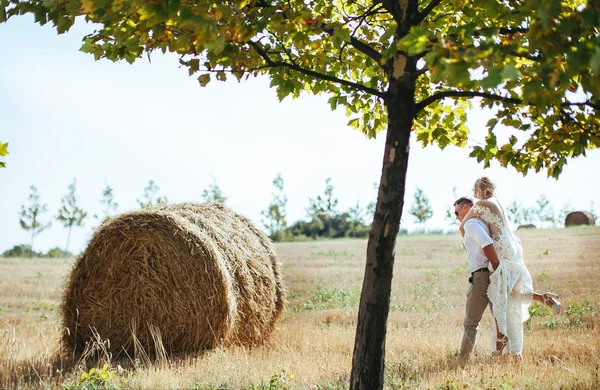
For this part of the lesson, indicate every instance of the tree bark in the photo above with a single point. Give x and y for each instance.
(68, 239)
(369, 346)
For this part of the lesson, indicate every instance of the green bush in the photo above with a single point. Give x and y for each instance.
(21, 251)
(56, 252)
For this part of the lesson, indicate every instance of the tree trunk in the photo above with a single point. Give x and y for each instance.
(369, 347)
(31, 246)
(68, 239)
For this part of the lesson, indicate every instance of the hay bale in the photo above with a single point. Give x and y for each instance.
(577, 218)
(184, 277)
(527, 226)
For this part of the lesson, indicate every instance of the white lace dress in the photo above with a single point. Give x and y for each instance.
(511, 288)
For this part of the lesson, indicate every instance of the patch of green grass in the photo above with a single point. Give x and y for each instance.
(281, 381)
(539, 310)
(95, 379)
(543, 276)
(333, 254)
(324, 299)
(582, 313)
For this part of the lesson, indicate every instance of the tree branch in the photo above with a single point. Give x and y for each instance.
(426, 11)
(580, 104)
(312, 73)
(469, 94)
(463, 94)
(530, 57)
(360, 46)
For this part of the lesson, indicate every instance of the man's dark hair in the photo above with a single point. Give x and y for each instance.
(463, 200)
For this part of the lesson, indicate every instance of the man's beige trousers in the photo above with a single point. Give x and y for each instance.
(477, 301)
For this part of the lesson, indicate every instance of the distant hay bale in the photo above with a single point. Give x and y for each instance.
(577, 218)
(185, 278)
(527, 226)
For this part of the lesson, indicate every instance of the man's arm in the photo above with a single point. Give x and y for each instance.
(492, 256)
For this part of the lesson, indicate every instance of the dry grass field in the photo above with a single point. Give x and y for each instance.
(312, 345)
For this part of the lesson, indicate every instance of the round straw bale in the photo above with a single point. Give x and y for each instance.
(175, 279)
(527, 226)
(577, 218)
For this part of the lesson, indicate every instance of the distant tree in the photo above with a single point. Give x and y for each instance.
(450, 216)
(21, 251)
(150, 198)
(324, 206)
(421, 208)
(372, 205)
(3, 152)
(57, 253)
(70, 214)
(275, 217)
(315, 227)
(564, 211)
(213, 193)
(108, 203)
(30, 216)
(544, 211)
(355, 220)
(593, 211)
(515, 212)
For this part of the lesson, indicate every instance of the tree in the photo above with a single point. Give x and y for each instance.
(544, 211)
(564, 211)
(450, 216)
(371, 206)
(324, 206)
(593, 211)
(515, 212)
(20, 251)
(108, 203)
(213, 193)
(3, 152)
(275, 222)
(355, 219)
(70, 214)
(150, 199)
(403, 66)
(57, 253)
(421, 208)
(30, 216)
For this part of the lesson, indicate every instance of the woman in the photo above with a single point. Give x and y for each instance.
(511, 289)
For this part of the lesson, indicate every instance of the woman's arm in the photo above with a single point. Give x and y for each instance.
(474, 212)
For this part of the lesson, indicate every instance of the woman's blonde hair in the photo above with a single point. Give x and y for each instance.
(484, 186)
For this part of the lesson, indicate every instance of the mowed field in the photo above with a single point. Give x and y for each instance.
(312, 345)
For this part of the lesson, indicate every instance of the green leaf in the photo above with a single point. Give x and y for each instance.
(494, 77)
(204, 79)
(510, 72)
(73, 6)
(3, 17)
(414, 42)
(595, 61)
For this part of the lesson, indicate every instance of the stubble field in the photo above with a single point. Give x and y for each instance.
(312, 345)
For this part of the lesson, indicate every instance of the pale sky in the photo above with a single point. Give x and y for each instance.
(67, 116)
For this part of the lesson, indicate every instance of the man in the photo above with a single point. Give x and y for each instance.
(480, 252)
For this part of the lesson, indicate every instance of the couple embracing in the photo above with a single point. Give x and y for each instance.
(499, 277)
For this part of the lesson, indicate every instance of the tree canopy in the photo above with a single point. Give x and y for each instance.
(3, 152)
(536, 63)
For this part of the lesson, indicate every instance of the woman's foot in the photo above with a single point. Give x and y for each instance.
(551, 300)
(501, 342)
